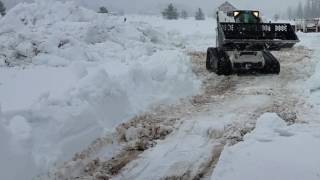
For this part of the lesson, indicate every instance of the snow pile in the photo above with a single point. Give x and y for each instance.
(188, 33)
(13, 156)
(57, 33)
(30, 31)
(312, 41)
(74, 75)
(273, 151)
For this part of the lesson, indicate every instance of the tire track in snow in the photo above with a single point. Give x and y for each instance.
(230, 100)
(278, 94)
(285, 98)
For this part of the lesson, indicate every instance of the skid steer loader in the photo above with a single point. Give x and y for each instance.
(244, 43)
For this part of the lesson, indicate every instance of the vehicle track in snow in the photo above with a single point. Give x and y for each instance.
(184, 141)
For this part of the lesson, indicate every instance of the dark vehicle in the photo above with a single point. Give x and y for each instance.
(245, 44)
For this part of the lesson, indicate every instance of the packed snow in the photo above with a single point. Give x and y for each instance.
(70, 77)
(69, 74)
(187, 151)
(314, 81)
(273, 151)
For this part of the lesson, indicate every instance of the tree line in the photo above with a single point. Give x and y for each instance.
(2, 9)
(172, 12)
(306, 10)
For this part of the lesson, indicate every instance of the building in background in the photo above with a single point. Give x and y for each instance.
(226, 7)
(308, 25)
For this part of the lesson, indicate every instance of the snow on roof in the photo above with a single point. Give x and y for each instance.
(226, 6)
(286, 21)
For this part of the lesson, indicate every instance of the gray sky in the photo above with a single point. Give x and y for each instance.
(268, 7)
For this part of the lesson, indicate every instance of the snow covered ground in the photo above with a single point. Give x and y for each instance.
(219, 118)
(71, 77)
(275, 150)
(67, 78)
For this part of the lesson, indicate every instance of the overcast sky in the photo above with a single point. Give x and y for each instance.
(268, 7)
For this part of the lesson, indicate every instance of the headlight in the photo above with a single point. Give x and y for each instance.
(256, 14)
(236, 13)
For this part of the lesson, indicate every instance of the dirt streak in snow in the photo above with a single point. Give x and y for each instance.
(235, 102)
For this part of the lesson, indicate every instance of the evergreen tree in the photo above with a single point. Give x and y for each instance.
(199, 15)
(184, 14)
(2, 9)
(103, 9)
(170, 12)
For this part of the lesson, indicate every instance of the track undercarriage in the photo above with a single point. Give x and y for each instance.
(229, 62)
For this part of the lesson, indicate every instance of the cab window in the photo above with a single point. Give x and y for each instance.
(246, 17)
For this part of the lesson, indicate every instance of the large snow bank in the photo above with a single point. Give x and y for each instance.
(312, 41)
(14, 154)
(69, 74)
(189, 33)
(273, 151)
